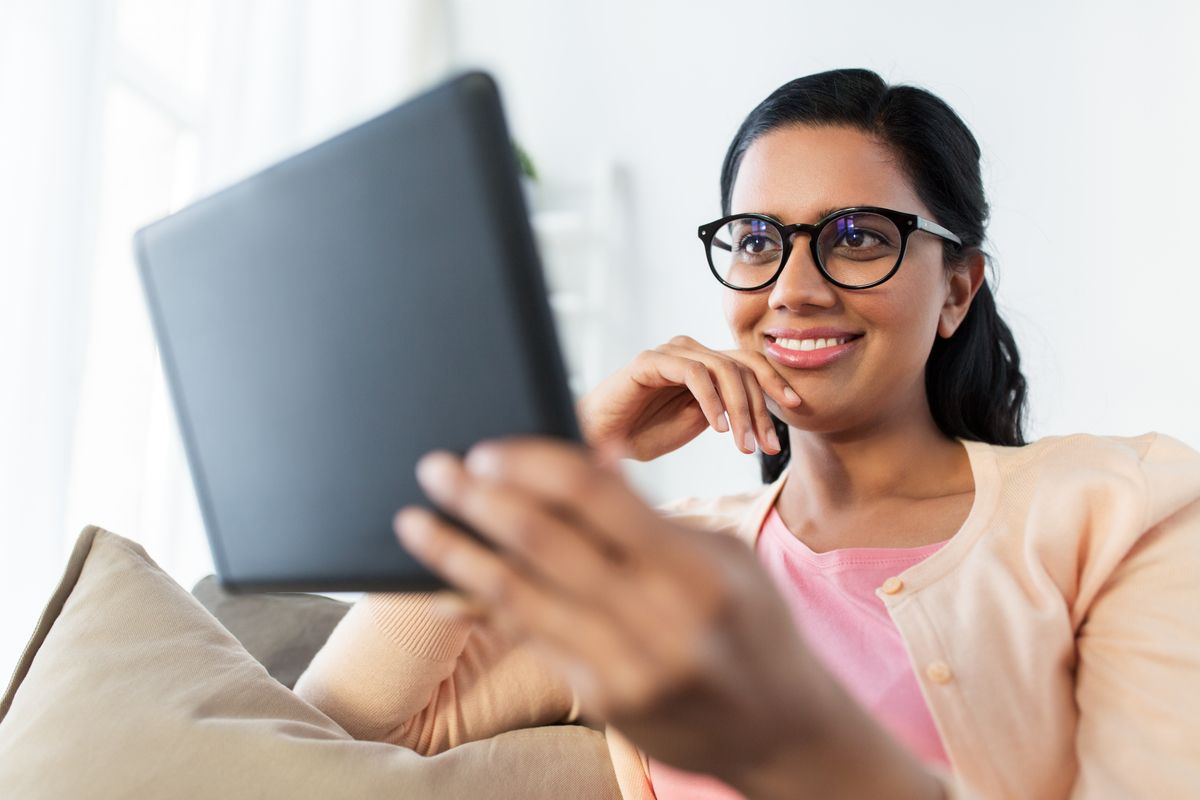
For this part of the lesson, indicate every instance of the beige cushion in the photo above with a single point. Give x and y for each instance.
(130, 688)
(282, 630)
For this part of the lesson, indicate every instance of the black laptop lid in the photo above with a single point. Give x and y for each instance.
(327, 321)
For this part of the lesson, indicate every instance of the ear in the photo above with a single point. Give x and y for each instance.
(963, 283)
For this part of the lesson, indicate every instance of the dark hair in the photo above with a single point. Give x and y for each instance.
(973, 379)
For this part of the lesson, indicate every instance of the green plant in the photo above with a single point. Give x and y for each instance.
(525, 162)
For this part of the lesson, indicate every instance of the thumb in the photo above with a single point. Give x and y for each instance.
(608, 456)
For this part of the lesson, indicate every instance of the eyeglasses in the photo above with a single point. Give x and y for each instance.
(854, 248)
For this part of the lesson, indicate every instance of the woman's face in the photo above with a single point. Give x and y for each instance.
(798, 174)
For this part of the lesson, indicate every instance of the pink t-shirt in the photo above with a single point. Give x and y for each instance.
(832, 599)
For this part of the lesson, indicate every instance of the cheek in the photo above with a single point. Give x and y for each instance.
(924, 307)
(909, 319)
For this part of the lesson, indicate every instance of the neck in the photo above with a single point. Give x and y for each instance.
(902, 456)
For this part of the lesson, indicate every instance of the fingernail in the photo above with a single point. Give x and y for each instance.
(722, 424)
(773, 440)
(409, 528)
(433, 470)
(748, 441)
(483, 460)
(791, 396)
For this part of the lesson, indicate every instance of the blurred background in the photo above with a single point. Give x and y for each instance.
(116, 112)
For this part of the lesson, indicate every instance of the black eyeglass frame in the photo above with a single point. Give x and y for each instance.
(907, 224)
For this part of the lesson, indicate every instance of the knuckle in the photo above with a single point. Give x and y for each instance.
(758, 360)
(731, 375)
(750, 375)
(578, 485)
(499, 587)
(729, 367)
(524, 531)
(696, 371)
(681, 340)
(470, 501)
(737, 401)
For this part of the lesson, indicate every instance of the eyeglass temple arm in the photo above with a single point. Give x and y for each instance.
(937, 230)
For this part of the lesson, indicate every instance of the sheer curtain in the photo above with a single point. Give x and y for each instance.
(114, 113)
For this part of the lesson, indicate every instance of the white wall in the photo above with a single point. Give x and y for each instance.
(112, 114)
(1087, 118)
(1086, 114)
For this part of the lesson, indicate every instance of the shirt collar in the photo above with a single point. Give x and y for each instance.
(760, 506)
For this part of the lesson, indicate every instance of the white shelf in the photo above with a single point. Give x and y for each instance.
(572, 225)
(559, 222)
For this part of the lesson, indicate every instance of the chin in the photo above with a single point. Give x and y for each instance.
(813, 416)
(806, 417)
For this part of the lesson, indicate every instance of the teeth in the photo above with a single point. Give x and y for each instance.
(809, 344)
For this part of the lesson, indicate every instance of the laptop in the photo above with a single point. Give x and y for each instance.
(327, 321)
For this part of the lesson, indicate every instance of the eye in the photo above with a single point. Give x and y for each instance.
(860, 237)
(756, 244)
(755, 241)
(856, 238)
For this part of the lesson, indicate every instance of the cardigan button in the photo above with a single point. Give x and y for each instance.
(892, 585)
(938, 672)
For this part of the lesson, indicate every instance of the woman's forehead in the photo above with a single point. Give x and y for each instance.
(796, 172)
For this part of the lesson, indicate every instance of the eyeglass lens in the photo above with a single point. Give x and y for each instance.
(855, 249)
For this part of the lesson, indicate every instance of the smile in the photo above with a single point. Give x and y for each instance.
(809, 353)
(809, 344)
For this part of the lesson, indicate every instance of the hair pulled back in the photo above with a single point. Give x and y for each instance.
(973, 379)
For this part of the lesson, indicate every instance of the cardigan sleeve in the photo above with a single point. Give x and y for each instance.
(393, 672)
(1137, 684)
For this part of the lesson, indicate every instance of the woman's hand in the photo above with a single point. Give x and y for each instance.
(665, 397)
(673, 635)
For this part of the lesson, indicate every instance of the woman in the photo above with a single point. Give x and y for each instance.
(949, 611)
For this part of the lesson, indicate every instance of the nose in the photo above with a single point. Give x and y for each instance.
(801, 282)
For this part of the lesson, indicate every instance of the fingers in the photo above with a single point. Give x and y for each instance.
(578, 560)
(468, 565)
(544, 544)
(454, 556)
(630, 637)
(569, 479)
(763, 425)
(610, 665)
(672, 370)
(726, 374)
(773, 383)
(769, 378)
(740, 390)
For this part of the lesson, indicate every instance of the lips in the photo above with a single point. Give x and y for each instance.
(821, 349)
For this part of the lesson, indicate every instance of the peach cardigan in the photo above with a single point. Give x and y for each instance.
(1055, 636)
